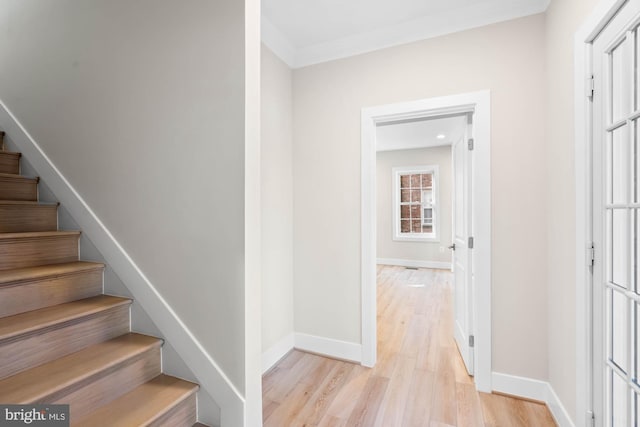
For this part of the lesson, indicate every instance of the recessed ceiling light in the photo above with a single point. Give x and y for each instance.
(441, 136)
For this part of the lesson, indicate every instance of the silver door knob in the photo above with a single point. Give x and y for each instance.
(453, 247)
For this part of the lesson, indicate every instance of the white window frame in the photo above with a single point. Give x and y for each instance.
(434, 236)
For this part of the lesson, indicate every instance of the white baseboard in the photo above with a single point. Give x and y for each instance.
(414, 263)
(277, 352)
(336, 349)
(211, 378)
(532, 389)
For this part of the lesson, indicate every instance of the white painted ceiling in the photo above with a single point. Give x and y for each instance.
(304, 32)
(420, 133)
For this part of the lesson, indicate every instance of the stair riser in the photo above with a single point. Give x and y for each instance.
(184, 414)
(9, 163)
(31, 252)
(18, 189)
(25, 218)
(34, 349)
(111, 385)
(49, 291)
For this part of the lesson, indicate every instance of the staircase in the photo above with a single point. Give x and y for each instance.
(61, 339)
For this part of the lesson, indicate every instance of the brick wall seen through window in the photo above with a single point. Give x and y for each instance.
(416, 203)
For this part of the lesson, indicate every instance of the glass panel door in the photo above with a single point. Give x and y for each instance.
(616, 296)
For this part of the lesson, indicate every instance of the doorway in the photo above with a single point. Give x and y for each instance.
(477, 340)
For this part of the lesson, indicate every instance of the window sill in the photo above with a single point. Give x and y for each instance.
(417, 238)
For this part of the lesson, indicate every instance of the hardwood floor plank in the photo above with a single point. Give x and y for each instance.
(291, 359)
(347, 397)
(286, 383)
(366, 410)
(317, 406)
(419, 379)
(268, 406)
(396, 397)
(444, 401)
(288, 410)
(469, 411)
(417, 412)
(329, 421)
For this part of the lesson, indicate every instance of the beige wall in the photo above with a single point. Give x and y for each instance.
(506, 58)
(415, 251)
(141, 107)
(277, 201)
(564, 17)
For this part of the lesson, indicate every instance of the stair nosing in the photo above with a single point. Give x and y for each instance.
(80, 267)
(11, 153)
(18, 177)
(60, 321)
(30, 203)
(38, 234)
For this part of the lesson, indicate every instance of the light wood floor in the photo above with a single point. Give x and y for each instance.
(419, 379)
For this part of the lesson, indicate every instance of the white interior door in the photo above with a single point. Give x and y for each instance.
(462, 268)
(616, 221)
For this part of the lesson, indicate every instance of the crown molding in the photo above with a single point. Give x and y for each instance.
(277, 42)
(411, 31)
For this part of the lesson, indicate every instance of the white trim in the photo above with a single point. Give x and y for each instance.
(277, 42)
(529, 388)
(421, 28)
(211, 378)
(336, 349)
(514, 385)
(441, 265)
(582, 70)
(557, 409)
(280, 349)
(480, 104)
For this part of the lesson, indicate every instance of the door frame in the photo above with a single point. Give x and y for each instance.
(583, 145)
(480, 104)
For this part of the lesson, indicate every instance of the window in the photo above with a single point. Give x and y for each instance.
(415, 202)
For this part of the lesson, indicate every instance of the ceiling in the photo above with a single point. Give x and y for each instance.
(420, 133)
(304, 32)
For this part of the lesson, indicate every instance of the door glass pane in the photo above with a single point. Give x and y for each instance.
(620, 256)
(619, 328)
(619, 402)
(637, 66)
(634, 409)
(636, 343)
(635, 258)
(620, 162)
(635, 188)
(620, 83)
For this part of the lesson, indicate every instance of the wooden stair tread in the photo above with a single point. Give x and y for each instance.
(26, 274)
(76, 369)
(200, 425)
(17, 177)
(37, 234)
(24, 323)
(10, 153)
(27, 203)
(142, 405)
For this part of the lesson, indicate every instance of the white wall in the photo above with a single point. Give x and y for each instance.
(416, 251)
(141, 107)
(507, 58)
(562, 20)
(277, 201)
